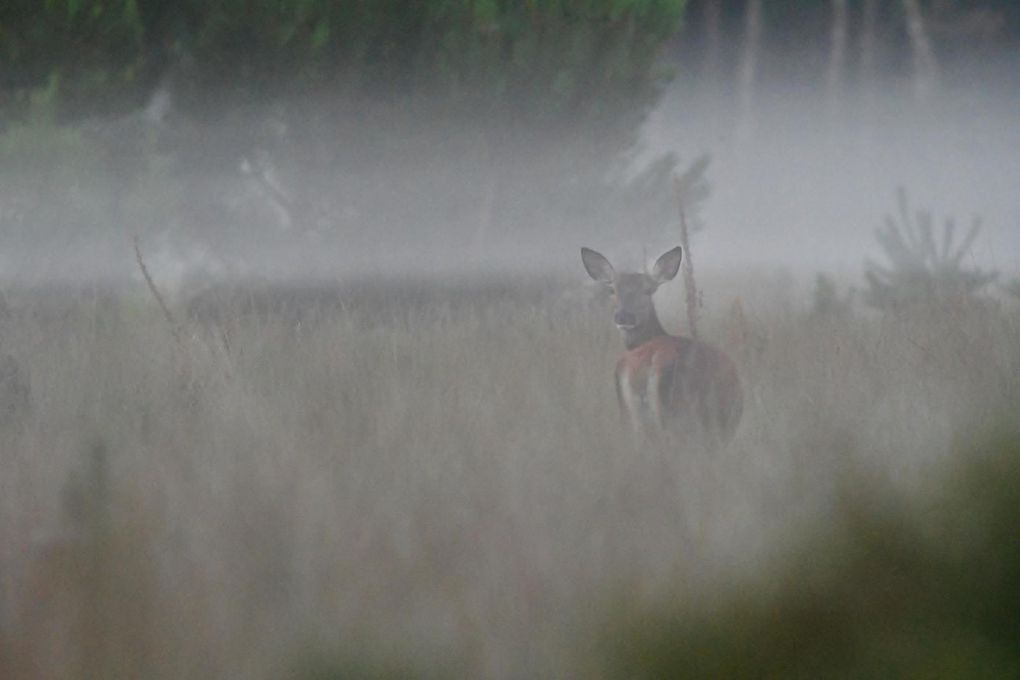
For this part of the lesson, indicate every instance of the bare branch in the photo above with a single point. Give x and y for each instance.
(167, 314)
(690, 286)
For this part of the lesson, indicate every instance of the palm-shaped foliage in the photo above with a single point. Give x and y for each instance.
(925, 268)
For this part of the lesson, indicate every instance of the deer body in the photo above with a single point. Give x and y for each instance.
(680, 384)
(663, 382)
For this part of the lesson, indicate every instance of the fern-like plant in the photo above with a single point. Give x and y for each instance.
(925, 268)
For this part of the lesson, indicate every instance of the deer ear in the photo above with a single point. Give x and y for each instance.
(667, 265)
(597, 266)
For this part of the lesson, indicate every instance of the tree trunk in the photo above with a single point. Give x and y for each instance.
(837, 55)
(713, 42)
(926, 67)
(867, 70)
(748, 73)
(490, 174)
(869, 43)
(486, 211)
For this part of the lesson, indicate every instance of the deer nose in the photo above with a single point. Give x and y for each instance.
(624, 319)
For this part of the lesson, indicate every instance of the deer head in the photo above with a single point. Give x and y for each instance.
(634, 313)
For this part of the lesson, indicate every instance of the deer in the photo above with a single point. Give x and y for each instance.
(669, 384)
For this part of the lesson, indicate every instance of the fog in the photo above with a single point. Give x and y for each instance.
(809, 186)
(303, 377)
(797, 184)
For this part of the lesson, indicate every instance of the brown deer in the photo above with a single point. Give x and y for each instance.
(666, 383)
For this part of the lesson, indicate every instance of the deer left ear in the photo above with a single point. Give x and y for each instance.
(667, 266)
(597, 266)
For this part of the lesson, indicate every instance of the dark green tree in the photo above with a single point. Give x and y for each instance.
(500, 115)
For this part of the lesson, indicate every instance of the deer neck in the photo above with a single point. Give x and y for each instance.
(639, 335)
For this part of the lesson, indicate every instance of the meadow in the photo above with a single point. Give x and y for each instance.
(431, 479)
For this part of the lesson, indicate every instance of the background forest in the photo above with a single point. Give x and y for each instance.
(327, 133)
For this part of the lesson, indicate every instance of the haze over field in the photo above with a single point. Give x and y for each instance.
(805, 193)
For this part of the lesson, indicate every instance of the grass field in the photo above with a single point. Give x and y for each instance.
(433, 479)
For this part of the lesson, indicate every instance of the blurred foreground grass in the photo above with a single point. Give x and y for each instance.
(415, 481)
(929, 589)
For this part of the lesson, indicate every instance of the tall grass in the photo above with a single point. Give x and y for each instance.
(444, 487)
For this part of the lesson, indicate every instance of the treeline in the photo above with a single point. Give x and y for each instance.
(840, 42)
(109, 54)
(544, 61)
(481, 117)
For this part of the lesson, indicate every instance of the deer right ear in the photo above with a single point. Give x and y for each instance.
(597, 266)
(667, 266)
